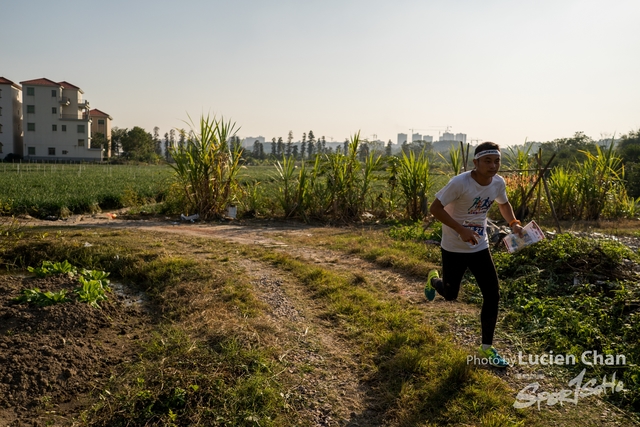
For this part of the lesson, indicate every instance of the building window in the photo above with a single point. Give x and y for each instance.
(54, 110)
(31, 91)
(31, 151)
(80, 128)
(53, 93)
(64, 151)
(31, 127)
(31, 109)
(100, 121)
(0, 93)
(54, 128)
(0, 127)
(64, 128)
(0, 111)
(1, 145)
(52, 151)
(81, 143)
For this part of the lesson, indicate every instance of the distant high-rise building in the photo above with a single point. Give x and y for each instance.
(416, 137)
(427, 138)
(402, 138)
(447, 136)
(461, 137)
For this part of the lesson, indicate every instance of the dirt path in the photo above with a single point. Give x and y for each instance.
(328, 378)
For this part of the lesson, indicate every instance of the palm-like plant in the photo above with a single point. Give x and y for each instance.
(415, 182)
(207, 166)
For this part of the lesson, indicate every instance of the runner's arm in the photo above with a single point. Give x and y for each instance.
(466, 234)
(506, 210)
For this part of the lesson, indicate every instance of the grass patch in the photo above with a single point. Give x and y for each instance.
(181, 381)
(420, 378)
(204, 363)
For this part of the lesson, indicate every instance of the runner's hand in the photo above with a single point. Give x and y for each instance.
(468, 235)
(517, 229)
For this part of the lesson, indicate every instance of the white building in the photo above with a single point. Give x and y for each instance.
(402, 138)
(416, 137)
(56, 122)
(10, 119)
(249, 141)
(461, 137)
(447, 136)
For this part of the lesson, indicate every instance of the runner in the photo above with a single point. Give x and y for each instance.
(462, 207)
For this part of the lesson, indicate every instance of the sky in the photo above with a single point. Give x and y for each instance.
(497, 70)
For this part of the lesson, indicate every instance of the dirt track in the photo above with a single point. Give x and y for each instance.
(50, 371)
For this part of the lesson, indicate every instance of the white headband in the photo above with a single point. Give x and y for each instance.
(486, 153)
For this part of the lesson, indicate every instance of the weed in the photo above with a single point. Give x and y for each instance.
(91, 291)
(41, 299)
(49, 268)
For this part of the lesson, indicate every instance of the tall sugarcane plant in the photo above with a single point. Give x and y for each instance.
(207, 167)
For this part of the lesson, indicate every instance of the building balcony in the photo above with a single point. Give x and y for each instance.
(83, 104)
(64, 100)
(83, 116)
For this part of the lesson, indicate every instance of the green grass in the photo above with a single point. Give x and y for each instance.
(570, 295)
(540, 301)
(61, 189)
(421, 378)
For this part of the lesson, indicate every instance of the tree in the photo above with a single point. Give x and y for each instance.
(311, 143)
(172, 138)
(167, 145)
(274, 146)
(99, 141)
(345, 146)
(629, 151)
(629, 147)
(117, 135)
(364, 152)
(139, 145)
(387, 150)
(182, 138)
(280, 146)
(568, 150)
(289, 148)
(156, 140)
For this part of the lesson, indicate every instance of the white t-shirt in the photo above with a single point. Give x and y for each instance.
(468, 202)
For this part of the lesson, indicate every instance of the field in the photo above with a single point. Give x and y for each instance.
(270, 323)
(306, 310)
(60, 190)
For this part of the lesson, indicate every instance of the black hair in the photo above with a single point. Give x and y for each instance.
(486, 146)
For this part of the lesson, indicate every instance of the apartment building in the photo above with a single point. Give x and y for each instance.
(10, 119)
(101, 129)
(56, 122)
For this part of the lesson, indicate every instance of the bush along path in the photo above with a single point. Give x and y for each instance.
(310, 326)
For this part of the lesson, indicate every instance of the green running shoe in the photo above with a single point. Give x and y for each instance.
(494, 358)
(429, 290)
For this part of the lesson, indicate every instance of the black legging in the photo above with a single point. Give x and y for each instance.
(454, 265)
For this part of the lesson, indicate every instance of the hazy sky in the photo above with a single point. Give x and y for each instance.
(499, 70)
